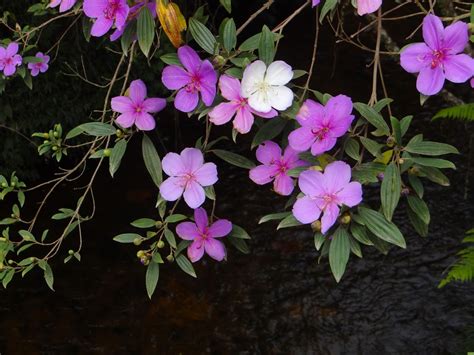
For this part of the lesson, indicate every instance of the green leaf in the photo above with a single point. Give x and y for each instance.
(230, 35)
(145, 30)
(8, 277)
(360, 234)
(116, 156)
(143, 223)
(273, 216)
(175, 218)
(433, 162)
(234, 159)
(434, 175)
(289, 221)
(151, 278)
(185, 265)
(266, 46)
(169, 235)
(416, 184)
(420, 208)
(430, 148)
(239, 244)
(355, 247)
(128, 36)
(127, 237)
(171, 59)
(48, 276)
(367, 172)
(319, 240)
(268, 131)
(420, 227)
(202, 35)
(152, 160)
(397, 132)
(327, 7)
(382, 103)
(352, 148)
(227, 5)
(239, 232)
(97, 129)
(390, 190)
(339, 252)
(372, 146)
(373, 117)
(405, 124)
(385, 230)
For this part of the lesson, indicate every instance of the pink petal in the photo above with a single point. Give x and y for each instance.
(459, 68)
(200, 217)
(208, 79)
(196, 250)
(311, 183)
(283, 184)
(66, 5)
(243, 120)
(126, 120)
(310, 113)
(331, 212)
(187, 231)
(174, 77)
(122, 104)
(154, 105)
(351, 194)
(263, 174)
(306, 210)
(194, 195)
(367, 6)
(315, 2)
(336, 176)
(192, 159)
(291, 158)
(172, 165)
(339, 127)
(94, 8)
(230, 87)
(206, 175)
(433, 31)
(121, 15)
(189, 58)
(54, 3)
(415, 57)
(338, 108)
(456, 37)
(270, 114)
(145, 122)
(215, 249)
(137, 91)
(12, 49)
(186, 101)
(223, 113)
(171, 189)
(430, 81)
(301, 139)
(9, 70)
(101, 26)
(220, 228)
(268, 152)
(323, 145)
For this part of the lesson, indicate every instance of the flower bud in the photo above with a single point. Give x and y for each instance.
(158, 224)
(46, 142)
(161, 244)
(70, 252)
(137, 241)
(145, 261)
(119, 133)
(54, 148)
(390, 142)
(380, 176)
(140, 253)
(413, 170)
(346, 218)
(170, 258)
(10, 262)
(56, 134)
(4, 184)
(405, 191)
(107, 152)
(401, 161)
(219, 60)
(316, 226)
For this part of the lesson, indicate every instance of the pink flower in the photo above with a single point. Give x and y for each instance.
(65, 4)
(107, 13)
(132, 15)
(321, 125)
(40, 67)
(204, 236)
(275, 167)
(187, 175)
(437, 59)
(9, 59)
(238, 106)
(324, 193)
(368, 6)
(135, 108)
(196, 77)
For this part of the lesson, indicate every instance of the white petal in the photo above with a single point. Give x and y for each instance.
(278, 73)
(280, 97)
(252, 78)
(259, 101)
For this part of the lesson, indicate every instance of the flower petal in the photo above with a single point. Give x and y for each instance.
(126, 120)
(101, 26)
(252, 77)
(331, 212)
(215, 249)
(323, 145)
(12, 49)
(66, 5)
(171, 189)
(351, 194)
(283, 184)
(430, 81)
(338, 108)
(230, 87)
(200, 217)
(206, 175)
(122, 104)
(187, 230)
(192, 159)
(456, 37)
(278, 73)
(243, 121)
(301, 139)
(270, 114)
(280, 98)
(310, 113)
(189, 58)
(196, 250)
(94, 8)
(268, 152)
(415, 57)
(172, 164)
(433, 31)
(336, 176)
(223, 113)
(137, 91)
(174, 77)
(311, 183)
(220, 228)
(145, 122)
(367, 6)
(186, 101)
(194, 195)
(306, 210)
(154, 104)
(208, 79)
(263, 174)
(459, 68)
(260, 101)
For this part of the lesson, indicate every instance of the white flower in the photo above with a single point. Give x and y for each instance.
(265, 88)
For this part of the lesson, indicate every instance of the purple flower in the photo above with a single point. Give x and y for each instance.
(324, 193)
(238, 106)
(315, 2)
(437, 59)
(40, 67)
(132, 15)
(136, 108)
(204, 236)
(275, 167)
(321, 125)
(368, 6)
(196, 77)
(106, 13)
(187, 175)
(65, 4)
(9, 59)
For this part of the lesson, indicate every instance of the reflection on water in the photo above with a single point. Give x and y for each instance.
(277, 300)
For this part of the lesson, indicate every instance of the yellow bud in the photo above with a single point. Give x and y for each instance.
(172, 21)
(316, 226)
(346, 219)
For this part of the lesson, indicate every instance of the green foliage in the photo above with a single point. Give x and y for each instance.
(461, 112)
(463, 269)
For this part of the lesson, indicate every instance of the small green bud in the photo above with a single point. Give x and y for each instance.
(161, 244)
(346, 218)
(137, 241)
(401, 161)
(145, 261)
(56, 134)
(140, 253)
(170, 258)
(390, 142)
(10, 262)
(54, 148)
(316, 226)
(119, 133)
(46, 142)
(46, 135)
(3, 239)
(158, 224)
(4, 184)
(107, 152)
(219, 60)
(12, 215)
(32, 259)
(13, 184)
(70, 252)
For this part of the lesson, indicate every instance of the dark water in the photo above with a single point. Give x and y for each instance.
(278, 299)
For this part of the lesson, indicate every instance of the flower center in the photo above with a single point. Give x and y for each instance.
(9, 61)
(138, 108)
(194, 85)
(320, 133)
(111, 9)
(262, 86)
(329, 199)
(437, 58)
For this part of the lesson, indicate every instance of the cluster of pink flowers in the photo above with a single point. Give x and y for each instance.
(10, 60)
